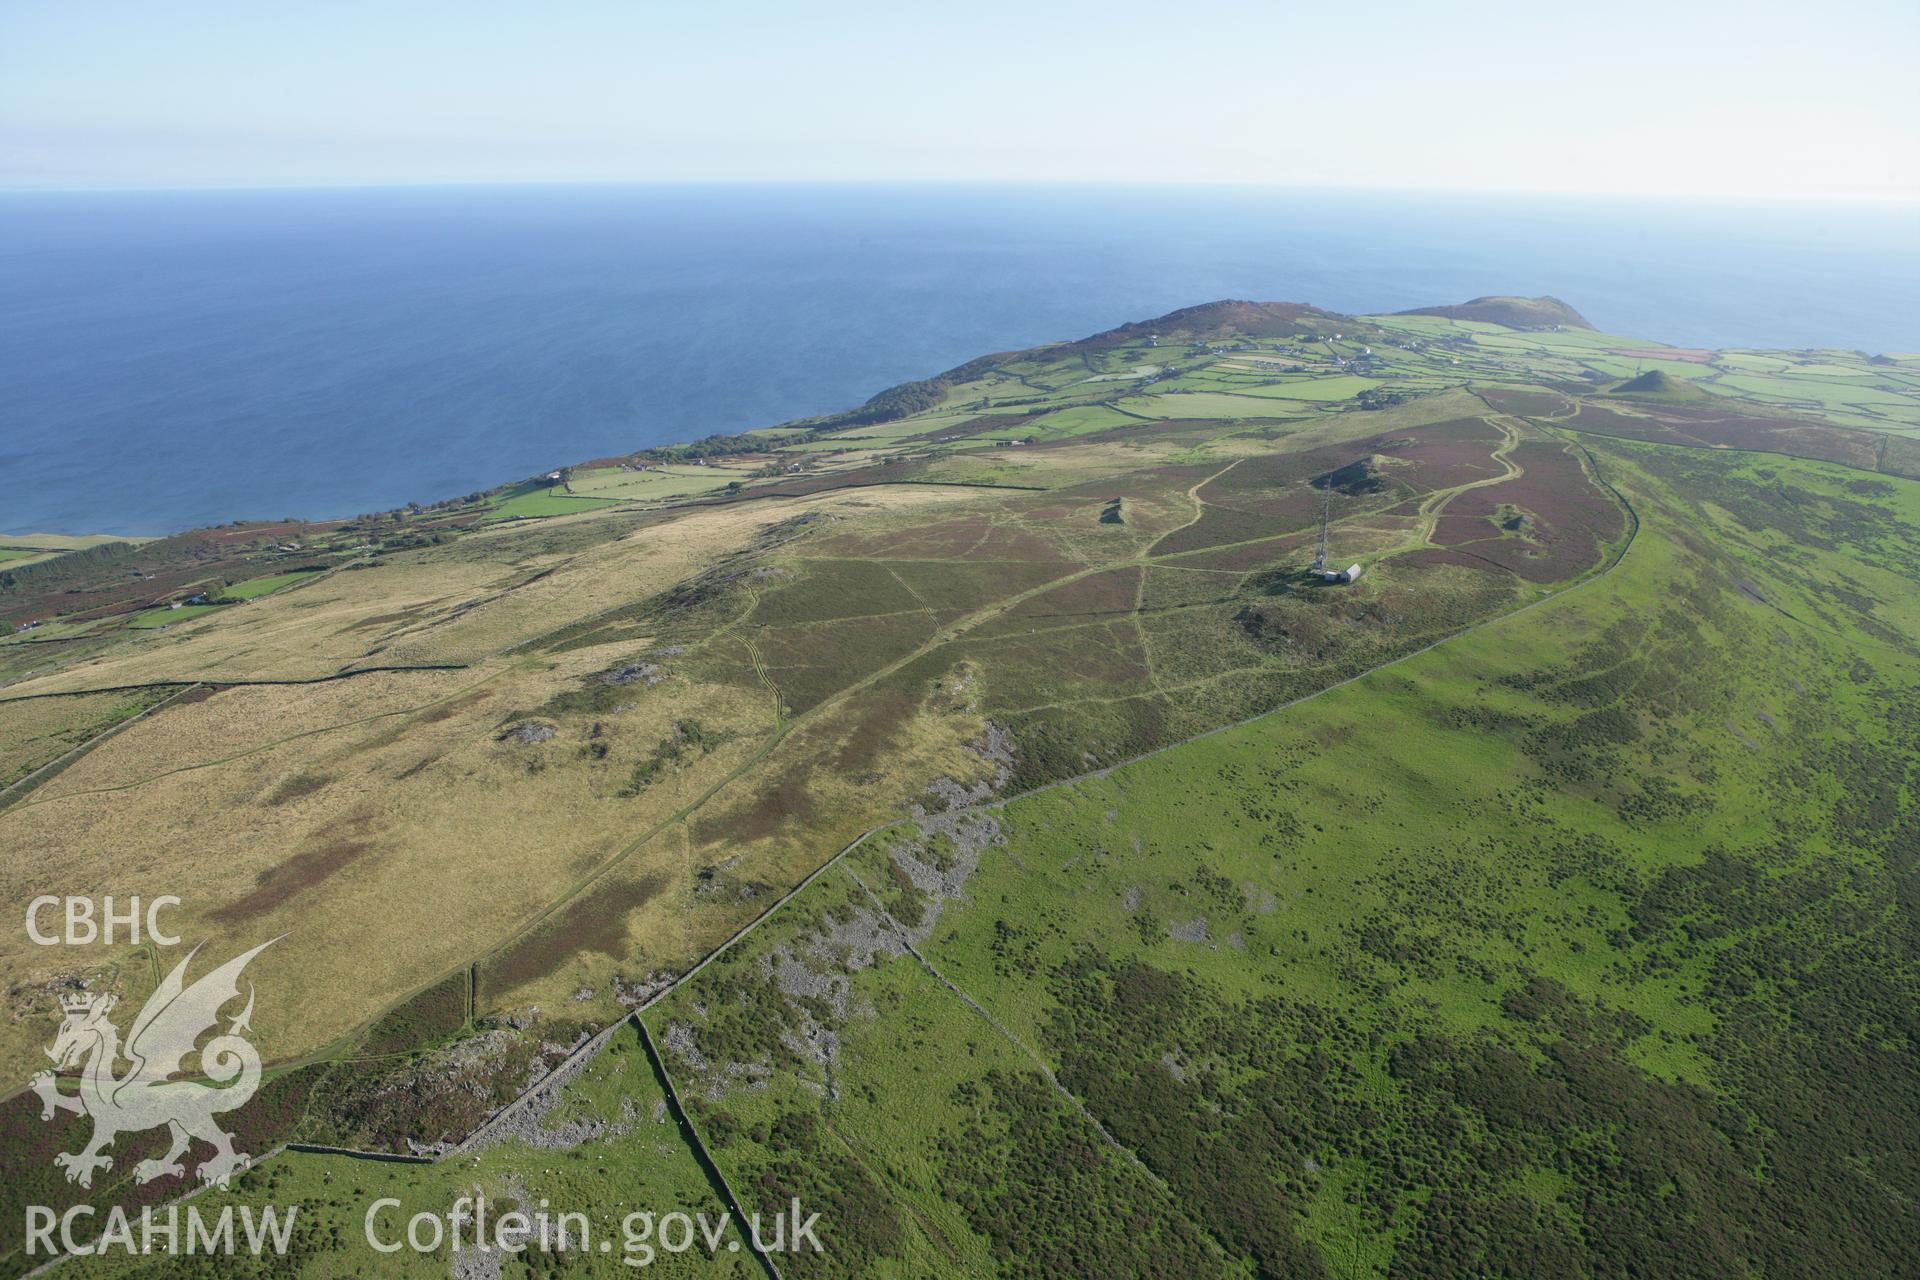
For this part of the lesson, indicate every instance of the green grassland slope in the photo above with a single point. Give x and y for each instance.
(972, 817)
(1515, 313)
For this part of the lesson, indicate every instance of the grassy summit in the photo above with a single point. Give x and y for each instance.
(1123, 898)
(1657, 384)
(1515, 313)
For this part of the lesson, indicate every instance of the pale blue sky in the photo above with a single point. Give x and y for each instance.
(1632, 98)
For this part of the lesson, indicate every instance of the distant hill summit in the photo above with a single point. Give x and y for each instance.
(1515, 313)
(1657, 384)
(1227, 318)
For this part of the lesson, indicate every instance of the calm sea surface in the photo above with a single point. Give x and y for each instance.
(168, 360)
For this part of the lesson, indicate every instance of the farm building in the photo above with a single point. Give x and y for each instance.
(1349, 574)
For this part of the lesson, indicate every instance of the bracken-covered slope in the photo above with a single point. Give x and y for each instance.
(1086, 887)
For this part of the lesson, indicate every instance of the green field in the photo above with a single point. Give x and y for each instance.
(1204, 404)
(670, 481)
(533, 505)
(254, 587)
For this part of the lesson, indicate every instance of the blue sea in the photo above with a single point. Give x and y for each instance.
(176, 359)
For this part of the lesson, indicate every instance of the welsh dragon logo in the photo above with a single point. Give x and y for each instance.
(164, 1034)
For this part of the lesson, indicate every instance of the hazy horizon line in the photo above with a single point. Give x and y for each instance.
(1866, 198)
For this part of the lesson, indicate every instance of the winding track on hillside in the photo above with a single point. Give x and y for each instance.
(637, 1015)
(784, 726)
(839, 856)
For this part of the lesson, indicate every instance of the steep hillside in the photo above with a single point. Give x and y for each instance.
(1228, 318)
(972, 818)
(1515, 313)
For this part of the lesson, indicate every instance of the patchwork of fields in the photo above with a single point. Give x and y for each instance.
(1088, 887)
